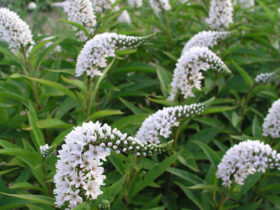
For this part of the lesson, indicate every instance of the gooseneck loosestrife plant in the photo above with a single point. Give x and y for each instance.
(246, 158)
(187, 74)
(175, 139)
(79, 168)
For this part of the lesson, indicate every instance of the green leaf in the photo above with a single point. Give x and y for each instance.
(189, 177)
(249, 81)
(210, 153)
(104, 113)
(53, 123)
(217, 109)
(36, 198)
(77, 83)
(131, 106)
(152, 174)
(55, 85)
(206, 187)
(38, 137)
(163, 79)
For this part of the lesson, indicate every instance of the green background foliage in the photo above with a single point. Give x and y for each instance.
(136, 86)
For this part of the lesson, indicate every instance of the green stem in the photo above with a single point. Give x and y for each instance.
(88, 98)
(30, 73)
(96, 88)
(244, 107)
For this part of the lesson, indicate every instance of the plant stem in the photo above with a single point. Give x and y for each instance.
(88, 98)
(30, 73)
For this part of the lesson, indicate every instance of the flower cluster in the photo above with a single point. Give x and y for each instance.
(124, 17)
(271, 125)
(49, 43)
(45, 150)
(246, 3)
(161, 122)
(220, 14)
(135, 3)
(81, 12)
(13, 30)
(159, 5)
(188, 75)
(265, 78)
(205, 39)
(79, 171)
(246, 158)
(101, 5)
(95, 52)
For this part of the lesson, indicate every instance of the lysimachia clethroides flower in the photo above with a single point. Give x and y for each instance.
(93, 56)
(79, 171)
(13, 30)
(159, 5)
(265, 78)
(246, 158)
(81, 12)
(188, 75)
(271, 125)
(220, 14)
(205, 39)
(135, 3)
(102, 5)
(160, 123)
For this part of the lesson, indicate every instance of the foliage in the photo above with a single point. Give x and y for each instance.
(42, 100)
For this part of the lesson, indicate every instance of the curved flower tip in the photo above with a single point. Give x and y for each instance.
(271, 125)
(93, 56)
(14, 30)
(246, 158)
(187, 75)
(79, 171)
(266, 78)
(160, 123)
(205, 39)
(81, 12)
(220, 14)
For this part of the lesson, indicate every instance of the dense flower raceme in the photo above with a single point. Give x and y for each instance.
(124, 17)
(101, 5)
(45, 150)
(265, 78)
(205, 39)
(159, 5)
(135, 3)
(246, 158)
(95, 52)
(79, 171)
(161, 122)
(271, 125)
(188, 75)
(13, 30)
(81, 12)
(220, 14)
(245, 3)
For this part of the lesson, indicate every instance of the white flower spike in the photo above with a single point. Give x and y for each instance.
(93, 56)
(79, 171)
(220, 14)
(246, 158)
(271, 125)
(124, 17)
(205, 39)
(135, 3)
(159, 5)
(102, 5)
(161, 122)
(14, 30)
(81, 12)
(265, 78)
(188, 75)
